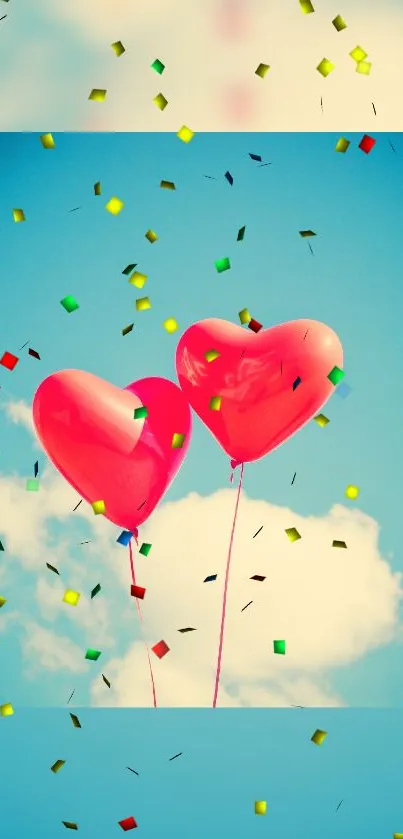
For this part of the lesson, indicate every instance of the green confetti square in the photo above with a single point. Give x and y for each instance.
(95, 590)
(141, 413)
(69, 303)
(241, 234)
(158, 66)
(145, 549)
(279, 647)
(32, 485)
(223, 264)
(92, 655)
(336, 375)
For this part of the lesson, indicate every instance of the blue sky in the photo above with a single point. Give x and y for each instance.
(230, 759)
(352, 282)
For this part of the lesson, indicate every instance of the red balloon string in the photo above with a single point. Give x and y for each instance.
(142, 621)
(224, 600)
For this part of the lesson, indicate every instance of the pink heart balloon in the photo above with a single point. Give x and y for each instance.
(88, 430)
(256, 376)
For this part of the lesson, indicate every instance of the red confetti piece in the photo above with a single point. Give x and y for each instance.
(128, 824)
(254, 325)
(367, 143)
(137, 591)
(160, 649)
(9, 361)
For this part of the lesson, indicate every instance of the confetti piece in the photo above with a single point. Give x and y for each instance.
(69, 303)
(145, 549)
(337, 543)
(170, 325)
(140, 413)
(18, 215)
(114, 206)
(71, 825)
(211, 578)
(241, 234)
(373, 108)
(167, 185)
(97, 188)
(77, 505)
(296, 383)
(244, 317)
(71, 597)
(32, 485)
(279, 647)
(215, 403)
(47, 141)
(211, 355)
(1, 546)
(137, 591)
(97, 95)
(127, 329)
(292, 534)
(160, 101)
(75, 721)
(336, 375)
(175, 756)
(132, 770)
(57, 766)
(52, 568)
(305, 234)
(128, 824)
(129, 268)
(321, 420)
(256, 157)
(342, 145)
(306, 7)
(125, 536)
(158, 66)
(3, 601)
(254, 325)
(98, 507)
(95, 590)
(34, 354)
(339, 24)
(107, 682)
(260, 808)
(151, 236)
(325, 67)
(294, 476)
(185, 134)
(6, 710)
(258, 578)
(9, 361)
(229, 178)
(257, 532)
(137, 279)
(71, 696)
(352, 492)
(358, 54)
(187, 629)
(318, 737)
(178, 441)
(367, 144)
(143, 303)
(222, 265)
(92, 655)
(118, 48)
(160, 649)
(262, 70)
(364, 67)
(248, 604)
(343, 390)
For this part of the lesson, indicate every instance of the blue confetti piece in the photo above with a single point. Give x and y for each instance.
(124, 538)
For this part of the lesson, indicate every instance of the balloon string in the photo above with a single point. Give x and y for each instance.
(142, 621)
(224, 600)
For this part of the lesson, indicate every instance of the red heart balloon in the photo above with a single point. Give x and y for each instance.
(88, 430)
(270, 383)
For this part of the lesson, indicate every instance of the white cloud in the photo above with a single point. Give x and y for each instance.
(51, 651)
(20, 414)
(207, 74)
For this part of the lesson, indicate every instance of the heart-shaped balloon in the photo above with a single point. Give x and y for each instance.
(270, 383)
(89, 431)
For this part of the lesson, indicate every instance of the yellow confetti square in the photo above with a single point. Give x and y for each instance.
(306, 7)
(97, 188)
(321, 420)
(47, 141)
(211, 355)
(185, 134)
(118, 48)
(358, 54)
(318, 737)
(6, 710)
(244, 316)
(352, 492)
(57, 766)
(18, 215)
(325, 67)
(143, 303)
(339, 23)
(160, 101)
(167, 185)
(342, 145)
(114, 206)
(262, 70)
(293, 534)
(97, 95)
(260, 808)
(171, 325)
(215, 403)
(99, 507)
(71, 597)
(138, 280)
(151, 236)
(363, 67)
(177, 441)
(3, 601)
